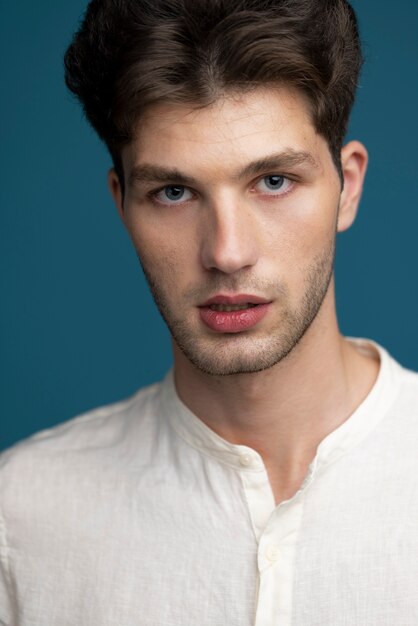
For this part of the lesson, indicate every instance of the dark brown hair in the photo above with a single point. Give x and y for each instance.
(131, 54)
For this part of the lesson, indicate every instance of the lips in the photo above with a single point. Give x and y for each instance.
(228, 308)
(233, 314)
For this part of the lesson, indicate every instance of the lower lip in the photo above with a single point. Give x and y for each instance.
(233, 321)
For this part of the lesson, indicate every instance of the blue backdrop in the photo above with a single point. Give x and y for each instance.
(78, 328)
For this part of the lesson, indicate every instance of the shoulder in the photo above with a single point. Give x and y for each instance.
(80, 444)
(60, 489)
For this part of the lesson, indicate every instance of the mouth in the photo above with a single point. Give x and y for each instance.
(233, 314)
(236, 302)
(228, 308)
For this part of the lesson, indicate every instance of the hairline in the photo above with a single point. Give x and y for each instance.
(231, 91)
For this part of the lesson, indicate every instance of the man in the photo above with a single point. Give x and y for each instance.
(271, 477)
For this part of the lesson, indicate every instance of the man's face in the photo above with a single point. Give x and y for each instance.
(233, 211)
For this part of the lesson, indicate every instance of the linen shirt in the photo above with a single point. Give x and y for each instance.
(137, 514)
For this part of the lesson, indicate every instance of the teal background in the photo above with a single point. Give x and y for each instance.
(78, 327)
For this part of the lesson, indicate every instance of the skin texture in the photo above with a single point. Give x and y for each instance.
(221, 225)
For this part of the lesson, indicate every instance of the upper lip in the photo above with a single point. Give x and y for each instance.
(241, 298)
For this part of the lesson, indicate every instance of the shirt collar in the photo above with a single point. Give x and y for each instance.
(370, 412)
(192, 430)
(364, 419)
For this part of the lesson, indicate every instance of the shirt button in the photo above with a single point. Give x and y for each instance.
(245, 460)
(272, 553)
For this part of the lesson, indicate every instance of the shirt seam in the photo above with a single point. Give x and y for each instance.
(214, 457)
(207, 453)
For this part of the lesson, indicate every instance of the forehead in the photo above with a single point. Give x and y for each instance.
(236, 128)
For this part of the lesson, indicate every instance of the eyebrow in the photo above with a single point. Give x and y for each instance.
(148, 173)
(280, 161)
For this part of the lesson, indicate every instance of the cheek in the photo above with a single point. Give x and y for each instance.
(162, 252)
(308, 225)
(167, 237)
(300, 238)
(146, 235)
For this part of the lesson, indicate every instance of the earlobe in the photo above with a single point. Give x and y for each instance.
(354, 160)
(116, 191)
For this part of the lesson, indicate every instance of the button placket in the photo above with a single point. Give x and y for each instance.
(272, 552)
(246, 460)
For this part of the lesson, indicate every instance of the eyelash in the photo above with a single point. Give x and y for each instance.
(289, 180)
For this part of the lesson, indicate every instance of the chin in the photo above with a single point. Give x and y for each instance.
(232, 360)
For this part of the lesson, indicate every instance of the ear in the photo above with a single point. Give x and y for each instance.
(115, 189)
(354, 160)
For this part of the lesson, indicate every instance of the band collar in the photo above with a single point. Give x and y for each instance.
(364, 419)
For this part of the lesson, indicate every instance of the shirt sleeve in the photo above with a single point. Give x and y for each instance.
(6, 603)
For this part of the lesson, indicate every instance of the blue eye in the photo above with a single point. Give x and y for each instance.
(173, 194)
(274, 183)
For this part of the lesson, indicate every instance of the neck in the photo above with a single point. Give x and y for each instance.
(286, 411)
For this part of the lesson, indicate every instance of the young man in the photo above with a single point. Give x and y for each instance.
(271, 477)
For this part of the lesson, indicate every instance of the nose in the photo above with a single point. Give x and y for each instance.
(229, 242)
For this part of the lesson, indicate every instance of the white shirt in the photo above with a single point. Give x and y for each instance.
(137, 514)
